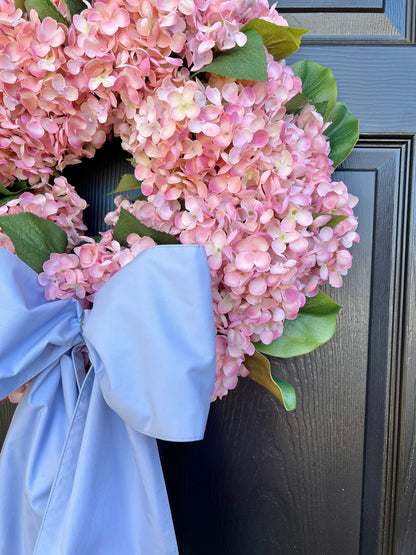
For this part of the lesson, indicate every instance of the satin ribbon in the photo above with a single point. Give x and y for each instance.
(79, 470)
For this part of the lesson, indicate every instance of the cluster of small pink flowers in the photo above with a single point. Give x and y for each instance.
(217, 25)
(48, 117)
(223, 165)
(58, 203)
(82, 273)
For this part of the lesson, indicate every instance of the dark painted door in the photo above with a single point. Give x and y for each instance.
(339, 474)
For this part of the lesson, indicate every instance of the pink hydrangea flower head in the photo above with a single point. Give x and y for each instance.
(253, 185)
(58, 202)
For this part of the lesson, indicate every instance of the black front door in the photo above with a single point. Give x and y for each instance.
(338, 475)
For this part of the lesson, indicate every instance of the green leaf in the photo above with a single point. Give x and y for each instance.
(318, 85)
(4, 191)
(128, 223)
(17, 187)
(314, 325)
(127, 183)
(242, 62)
(343, 133)
(288, 394)
(75, 6)
(34, 238)
(45, 8)
(13, 192)
(279, 40)
(260, 372)
(333, 222)
(7, 199)
(320, 88)
(296, 103)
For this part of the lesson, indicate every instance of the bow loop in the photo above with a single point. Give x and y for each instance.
(151, 339)
(34, 333)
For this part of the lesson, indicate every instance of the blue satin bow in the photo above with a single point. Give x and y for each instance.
(79, 470)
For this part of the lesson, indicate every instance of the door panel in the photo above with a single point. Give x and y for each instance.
(319, 480)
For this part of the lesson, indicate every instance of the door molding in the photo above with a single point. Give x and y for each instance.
(388, 163)
(352, 21)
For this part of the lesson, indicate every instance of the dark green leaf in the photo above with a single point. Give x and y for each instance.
(45, 8)
(4, 191)
(128, 223)
(245, 62)
(279, 40)
(97, 239)
(75, 6)
(17, 187)
(34, 238)
(318, 85)
(343, 133)
(13, 192)
(7, 199)
(260, 372)
(20, 186)
(296, 103)
(127, 183)
(314, 325)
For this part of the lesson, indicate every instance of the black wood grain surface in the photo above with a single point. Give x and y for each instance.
(6, 413)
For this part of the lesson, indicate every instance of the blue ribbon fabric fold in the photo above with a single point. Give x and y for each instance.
(80, 466)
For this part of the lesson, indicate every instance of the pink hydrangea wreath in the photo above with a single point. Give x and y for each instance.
(221, 161)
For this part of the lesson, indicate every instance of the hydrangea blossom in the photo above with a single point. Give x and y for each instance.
(81, 274)
(48, 117)
(231, 170)
(58, 203)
